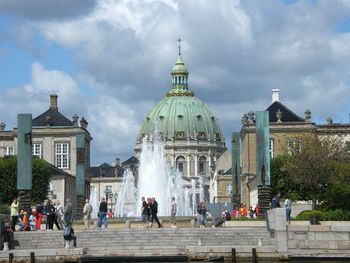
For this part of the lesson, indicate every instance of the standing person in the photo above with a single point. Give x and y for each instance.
(202, 212)
(87, 213)
(14, 213)
(154, 211)
(173, 209)
(275, 203)
(39, 215)
(102, 214)
(58, 214)
(68, 212)
(144, 211)
(50, 213)
(149, 211)
(288, 206)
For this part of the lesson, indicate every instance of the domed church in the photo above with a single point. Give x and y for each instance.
(190, 130)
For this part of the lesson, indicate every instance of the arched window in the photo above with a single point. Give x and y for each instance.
(180, 164)
(202, 164)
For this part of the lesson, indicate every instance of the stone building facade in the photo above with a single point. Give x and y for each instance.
(286, 129)
(63, 143)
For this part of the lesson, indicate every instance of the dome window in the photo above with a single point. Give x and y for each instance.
(180, 134)
(180, 116)
(202, 135)
(161, 117)
(212, 118)
(199, 117)
(148, 118)
(217, 135)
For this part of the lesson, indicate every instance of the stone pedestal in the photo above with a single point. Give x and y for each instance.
(79, 207)
(25, 200)
(264, 197)
(277, 222)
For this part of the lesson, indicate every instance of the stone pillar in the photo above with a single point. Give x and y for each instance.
(24, 160)
(262, 148)
(277, 223)
(188, 165)
(195, 165)
(80, 174)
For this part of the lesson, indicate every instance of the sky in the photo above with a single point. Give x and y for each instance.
(109, 61)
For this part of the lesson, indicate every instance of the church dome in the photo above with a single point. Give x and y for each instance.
(180, 115)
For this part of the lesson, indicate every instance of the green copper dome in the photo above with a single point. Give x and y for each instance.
(180, 115)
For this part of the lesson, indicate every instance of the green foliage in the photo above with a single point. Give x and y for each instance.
(314, 165)
(336, 196)
(4, 209)
(8, 179)
(330, 215)
(41, 179)
(281, 182)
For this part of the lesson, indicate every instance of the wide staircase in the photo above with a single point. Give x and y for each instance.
(148, 242)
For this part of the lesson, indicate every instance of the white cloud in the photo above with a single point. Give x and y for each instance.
(236, 52)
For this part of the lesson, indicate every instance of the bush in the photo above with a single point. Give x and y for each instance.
(331, 215)
(4, 209)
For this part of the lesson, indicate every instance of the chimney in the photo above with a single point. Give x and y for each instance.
(53, 102)
(275, 95)
(2, 126)
(117, 162)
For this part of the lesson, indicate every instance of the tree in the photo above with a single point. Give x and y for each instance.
(313, 163)
(281, 182)
(8, 179)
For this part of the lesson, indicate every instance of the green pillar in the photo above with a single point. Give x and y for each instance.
(263, 160)
(236, 170)
(24, 159)
(262, 148)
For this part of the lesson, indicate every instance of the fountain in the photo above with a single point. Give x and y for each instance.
(126, 201)
(157, 180)
(94, 201)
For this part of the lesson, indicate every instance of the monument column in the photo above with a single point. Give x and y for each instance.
(80, 174)
(24, 160)
(236, 170)
(263, 160)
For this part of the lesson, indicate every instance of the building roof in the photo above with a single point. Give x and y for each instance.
(286, 116)
(52, 117)
(131, 161)
(106, 171)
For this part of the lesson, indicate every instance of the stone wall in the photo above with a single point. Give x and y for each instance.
(326, 240)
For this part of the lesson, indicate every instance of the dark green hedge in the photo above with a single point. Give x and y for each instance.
(8, 177)
(331, 215)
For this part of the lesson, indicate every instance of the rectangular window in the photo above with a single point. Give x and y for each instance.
(271, 148)
(8, 150)
(36, 150)
(293, 146)
(62, 155)
(229, 189)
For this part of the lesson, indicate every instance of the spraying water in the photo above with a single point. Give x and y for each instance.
(94, 201)
(126, 201)
(157, 180)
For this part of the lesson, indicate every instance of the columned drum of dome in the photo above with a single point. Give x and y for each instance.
(190, 130)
